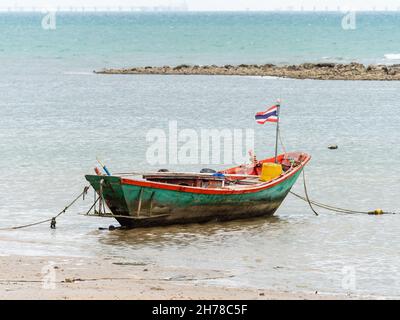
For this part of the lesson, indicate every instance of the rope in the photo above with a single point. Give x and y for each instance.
(53, 219)
(326, 206)
(332, 208)
(93, 205)
(306, 193)
(280, 139)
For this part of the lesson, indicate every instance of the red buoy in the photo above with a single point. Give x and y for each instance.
(98, 172)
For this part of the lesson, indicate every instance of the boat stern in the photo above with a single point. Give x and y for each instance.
(110, 189)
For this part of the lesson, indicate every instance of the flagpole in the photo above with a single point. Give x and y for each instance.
(278, 104)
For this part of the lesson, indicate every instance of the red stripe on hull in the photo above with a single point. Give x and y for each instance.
(199, 190)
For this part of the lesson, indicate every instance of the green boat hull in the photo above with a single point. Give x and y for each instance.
(142, 206)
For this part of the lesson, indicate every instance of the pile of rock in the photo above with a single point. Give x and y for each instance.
(321, 71)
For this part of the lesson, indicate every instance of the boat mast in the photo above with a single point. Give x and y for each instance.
(278, 104)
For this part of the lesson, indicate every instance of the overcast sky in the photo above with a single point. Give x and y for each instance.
(214, 4)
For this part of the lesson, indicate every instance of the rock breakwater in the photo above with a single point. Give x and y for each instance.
(319, 71)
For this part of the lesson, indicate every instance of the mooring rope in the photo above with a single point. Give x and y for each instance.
(306, 193)
(326, 206)
(53, 219)
(332, 208)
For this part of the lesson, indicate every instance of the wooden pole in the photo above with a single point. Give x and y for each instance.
(277, 130)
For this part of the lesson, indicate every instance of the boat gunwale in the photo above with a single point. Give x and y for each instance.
(200, 190)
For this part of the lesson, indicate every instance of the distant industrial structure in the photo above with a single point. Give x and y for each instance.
(169, 8)
(182, 6)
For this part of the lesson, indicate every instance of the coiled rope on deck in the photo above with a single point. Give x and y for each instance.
(53, 219)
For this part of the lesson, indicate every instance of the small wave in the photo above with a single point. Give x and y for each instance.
(328, 58)
(392, 56)
(78, 73)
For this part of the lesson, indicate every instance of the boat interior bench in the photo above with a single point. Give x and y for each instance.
(188, 180)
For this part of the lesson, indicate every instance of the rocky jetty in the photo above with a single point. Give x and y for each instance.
(320, 71)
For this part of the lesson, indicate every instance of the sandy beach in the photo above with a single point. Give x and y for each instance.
(109, 278)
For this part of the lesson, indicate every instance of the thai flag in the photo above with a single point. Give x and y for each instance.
(271, 115)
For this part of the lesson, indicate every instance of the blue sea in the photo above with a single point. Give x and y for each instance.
(56, 116)
(87, 40)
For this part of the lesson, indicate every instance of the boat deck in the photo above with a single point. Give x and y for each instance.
(237, 178)
(216, 180)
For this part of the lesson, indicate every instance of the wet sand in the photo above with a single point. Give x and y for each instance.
(111, 278)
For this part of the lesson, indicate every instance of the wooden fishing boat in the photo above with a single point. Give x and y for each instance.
(161, 198)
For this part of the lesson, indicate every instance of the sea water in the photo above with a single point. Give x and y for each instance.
(56, 116)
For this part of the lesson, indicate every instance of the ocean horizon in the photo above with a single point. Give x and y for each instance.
(120, 39)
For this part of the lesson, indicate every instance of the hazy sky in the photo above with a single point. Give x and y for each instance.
(215, 4)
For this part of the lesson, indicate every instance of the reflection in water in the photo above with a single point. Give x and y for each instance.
(182, 235)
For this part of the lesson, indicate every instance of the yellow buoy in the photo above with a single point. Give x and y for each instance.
(270, 171)
(376, 211)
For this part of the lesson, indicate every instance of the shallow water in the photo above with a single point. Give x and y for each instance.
(56, 117)
(49, 144)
